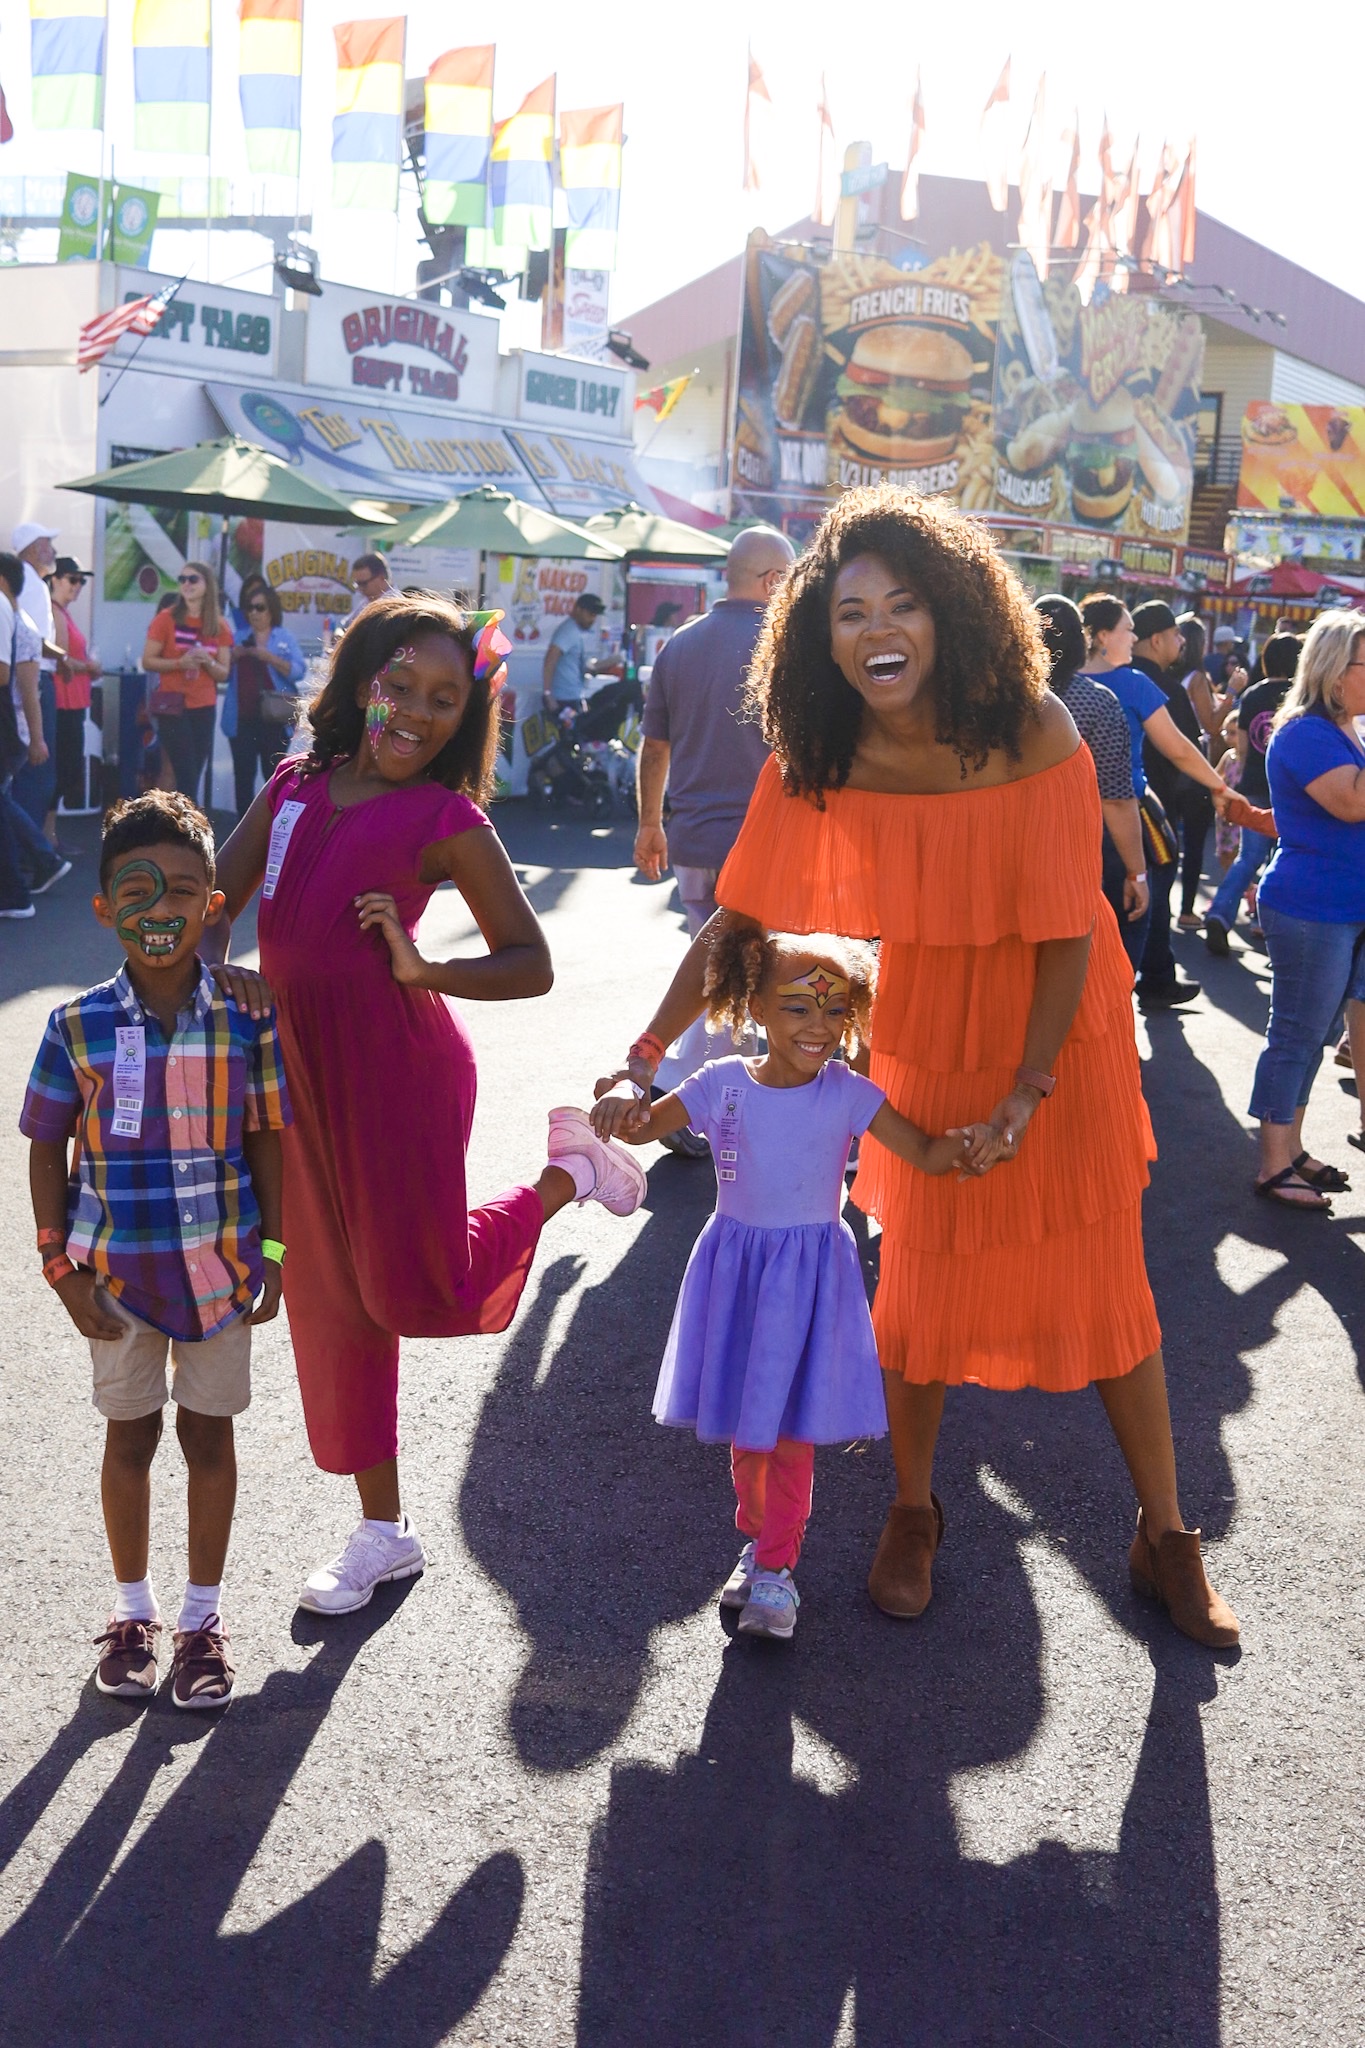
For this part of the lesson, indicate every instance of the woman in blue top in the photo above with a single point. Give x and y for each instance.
(1312, 899)
(266, 660)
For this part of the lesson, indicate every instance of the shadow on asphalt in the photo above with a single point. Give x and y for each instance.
(132, 1954)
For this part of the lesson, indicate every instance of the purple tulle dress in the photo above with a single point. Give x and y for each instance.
(771, 1336)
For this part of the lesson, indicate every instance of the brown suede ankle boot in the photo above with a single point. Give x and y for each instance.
(900, 1580)
(1172, 1572)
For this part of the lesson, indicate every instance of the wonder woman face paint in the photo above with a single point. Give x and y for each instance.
(818, 985)
(156, 938)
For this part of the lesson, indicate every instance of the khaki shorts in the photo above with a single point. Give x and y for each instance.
(212, 1377)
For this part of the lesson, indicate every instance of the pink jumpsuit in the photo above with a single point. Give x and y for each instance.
(380, 1238)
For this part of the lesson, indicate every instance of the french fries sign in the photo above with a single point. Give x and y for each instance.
(965, 378)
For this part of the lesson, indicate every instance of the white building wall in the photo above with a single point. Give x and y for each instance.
(1294, 382)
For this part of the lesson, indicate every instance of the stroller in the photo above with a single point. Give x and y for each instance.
(587, 764)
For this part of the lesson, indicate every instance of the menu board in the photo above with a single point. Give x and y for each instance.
(1303, 458)
(1094, 408)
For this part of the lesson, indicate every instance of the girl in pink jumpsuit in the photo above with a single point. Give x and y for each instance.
(347, 845)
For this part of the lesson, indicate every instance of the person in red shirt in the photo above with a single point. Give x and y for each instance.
(77, 670)
(189, 652)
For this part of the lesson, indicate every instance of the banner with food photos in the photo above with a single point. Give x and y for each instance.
(855, 370)
(1094, 407)
(1303, 458)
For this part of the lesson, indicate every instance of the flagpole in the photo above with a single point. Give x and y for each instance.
(208, 180)
(141, 338)
(104, 118)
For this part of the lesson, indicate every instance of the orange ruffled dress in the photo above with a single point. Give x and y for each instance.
(1034, 1276)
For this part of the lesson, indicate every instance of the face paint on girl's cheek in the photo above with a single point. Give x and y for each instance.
(155, 937)
(378, 712)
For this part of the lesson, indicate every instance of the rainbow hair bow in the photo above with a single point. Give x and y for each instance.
(491, 648)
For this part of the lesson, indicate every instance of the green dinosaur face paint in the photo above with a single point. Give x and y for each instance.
(155, 937)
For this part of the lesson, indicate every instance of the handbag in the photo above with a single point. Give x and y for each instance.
(1162, 845)
(278, 707)
(164, 703)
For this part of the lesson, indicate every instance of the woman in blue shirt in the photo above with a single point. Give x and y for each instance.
(1312, 899)
(266, 661)
(1111, 634)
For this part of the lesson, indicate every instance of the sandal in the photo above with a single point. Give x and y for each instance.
(1330, 1179)
(1274, 1190)
(1188, 921)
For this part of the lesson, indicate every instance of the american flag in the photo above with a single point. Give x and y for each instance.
(138, 316)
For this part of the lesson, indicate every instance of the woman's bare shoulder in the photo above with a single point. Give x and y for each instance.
(1048, 739)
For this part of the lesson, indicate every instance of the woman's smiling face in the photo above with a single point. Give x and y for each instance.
(414, 706)
(881, 635)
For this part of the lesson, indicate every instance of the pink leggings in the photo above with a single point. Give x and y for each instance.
(773, 1489)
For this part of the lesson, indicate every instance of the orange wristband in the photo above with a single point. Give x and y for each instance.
(50, 1237)
(57, 1268)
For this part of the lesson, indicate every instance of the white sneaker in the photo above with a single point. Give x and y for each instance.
(620, 1182)
(771, 1606)
(370, 1559)
(735, 1591)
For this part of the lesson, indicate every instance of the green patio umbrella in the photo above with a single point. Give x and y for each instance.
(232, 477)
(637, 532)
(493, 522)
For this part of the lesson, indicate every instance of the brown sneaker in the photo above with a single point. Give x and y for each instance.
(202, 1673)
(1172, 1572)
(127, 1670)
(901, 1579)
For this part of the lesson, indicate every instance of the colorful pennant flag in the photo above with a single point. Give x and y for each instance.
(368, 130)
(1183, 213)
(138, 316)
(910, 182)
(1067, 233)
(995, 140)
(270, 61)
(459, 136)
(68, 62)
(1035, 184)
(171, 65)
(590, 145)
(826, 188)
(662, 399)
(522, 171)
(757, 128)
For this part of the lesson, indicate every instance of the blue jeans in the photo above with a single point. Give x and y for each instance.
(1314, 969)
(1252, 855)
(35, 789)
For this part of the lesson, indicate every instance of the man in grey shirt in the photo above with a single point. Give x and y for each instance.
(699, 747)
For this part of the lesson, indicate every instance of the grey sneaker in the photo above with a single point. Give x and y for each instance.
(370, 1558)
(771, 1607)
(686, 1144)
(735, 1591)
(202, 1674)
(620, 1183)
(127, 1670)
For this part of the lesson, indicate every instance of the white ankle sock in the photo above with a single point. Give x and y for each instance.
(200, 1605)
(581, 1172)
(135, 1600)
(393, 1530)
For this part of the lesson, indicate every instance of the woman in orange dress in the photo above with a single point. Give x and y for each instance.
(926, 789)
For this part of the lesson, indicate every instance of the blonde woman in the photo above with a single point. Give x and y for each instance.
(1312, 900)
(189, 653)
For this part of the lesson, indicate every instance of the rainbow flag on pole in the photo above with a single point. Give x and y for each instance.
(367, 133)
(459, 135)
(68, 62)
(590, 179)
(522, 172)
(171, 71)
(270, 61)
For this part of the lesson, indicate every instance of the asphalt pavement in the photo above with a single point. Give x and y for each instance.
(539, 1798)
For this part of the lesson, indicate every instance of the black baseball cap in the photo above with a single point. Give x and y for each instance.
(1151, 618)
(589, 602)
(67, 565)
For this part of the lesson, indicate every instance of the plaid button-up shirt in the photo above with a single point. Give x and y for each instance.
(167, 1216)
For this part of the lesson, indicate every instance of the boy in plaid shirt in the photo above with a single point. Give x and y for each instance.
(162, 1231)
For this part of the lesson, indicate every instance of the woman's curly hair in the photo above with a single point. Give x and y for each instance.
(743, 957)
(337, 719)
(990, 666)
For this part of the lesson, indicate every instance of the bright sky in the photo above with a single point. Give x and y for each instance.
(1278, 151)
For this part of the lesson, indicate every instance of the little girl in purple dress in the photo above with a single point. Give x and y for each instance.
(771, 1349)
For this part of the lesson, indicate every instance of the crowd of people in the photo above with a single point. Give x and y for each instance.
(924, 866)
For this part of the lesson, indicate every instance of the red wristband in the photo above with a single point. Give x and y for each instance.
(1033, 1077)
(647, 1047)
(57, 1268)
(49, 1237)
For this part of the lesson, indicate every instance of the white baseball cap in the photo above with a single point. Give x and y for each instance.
(1224, 636)
(24, 535)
